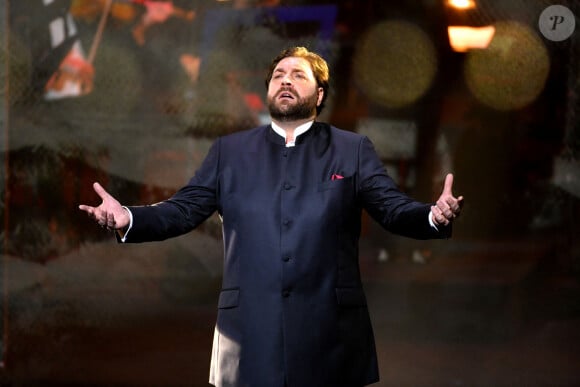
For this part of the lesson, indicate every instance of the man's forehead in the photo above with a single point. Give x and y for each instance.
(293, 63)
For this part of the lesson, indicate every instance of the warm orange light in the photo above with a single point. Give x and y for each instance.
(462, 4)
(464, 38)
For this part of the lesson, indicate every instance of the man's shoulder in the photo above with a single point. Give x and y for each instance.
(342, 134)
(241, 139)
(245, 135)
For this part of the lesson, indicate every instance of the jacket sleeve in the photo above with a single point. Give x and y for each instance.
(182, 212)
(386, 204)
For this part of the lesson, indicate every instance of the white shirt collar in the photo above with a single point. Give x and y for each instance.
(297, 132)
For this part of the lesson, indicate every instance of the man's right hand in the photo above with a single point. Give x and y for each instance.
(109, 213)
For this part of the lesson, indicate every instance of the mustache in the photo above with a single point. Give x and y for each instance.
(289, 90)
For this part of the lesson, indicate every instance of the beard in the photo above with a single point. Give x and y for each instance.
(293, 110)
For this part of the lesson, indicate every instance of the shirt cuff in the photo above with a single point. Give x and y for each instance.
(123, 233)
(430, 217)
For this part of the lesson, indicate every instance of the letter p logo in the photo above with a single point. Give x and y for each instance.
(557, 19)
(557, 23)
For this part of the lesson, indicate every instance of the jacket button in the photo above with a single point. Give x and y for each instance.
(286, 293)
(286, 258)
(286, 222)
(287, 186)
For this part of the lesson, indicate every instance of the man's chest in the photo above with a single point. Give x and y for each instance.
(297, 179)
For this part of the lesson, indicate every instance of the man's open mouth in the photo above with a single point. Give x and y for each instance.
(286, 95)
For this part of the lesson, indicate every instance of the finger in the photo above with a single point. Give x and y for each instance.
(85, 208)
(102, 218)
(444, 211)
(453, 204)
(447, 213)
(441, 219)
(110, 221)
(90, 211)
(445, 205)
(455, 210)
(435, 210)
(438, 216)
(457, 205)
(448, 185)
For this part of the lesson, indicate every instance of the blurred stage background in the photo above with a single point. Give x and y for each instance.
(132, 94)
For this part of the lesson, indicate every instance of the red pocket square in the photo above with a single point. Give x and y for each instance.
(336, 177)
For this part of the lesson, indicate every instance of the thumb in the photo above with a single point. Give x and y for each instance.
(448, 186)
(101, 191)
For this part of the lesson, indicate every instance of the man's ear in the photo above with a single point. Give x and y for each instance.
(320, 96)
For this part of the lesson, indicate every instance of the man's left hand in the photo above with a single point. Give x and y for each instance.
(447, 207)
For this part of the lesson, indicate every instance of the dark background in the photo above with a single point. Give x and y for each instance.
(497, 305)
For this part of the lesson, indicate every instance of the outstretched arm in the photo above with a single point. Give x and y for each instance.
(109, 213)
(447, 207)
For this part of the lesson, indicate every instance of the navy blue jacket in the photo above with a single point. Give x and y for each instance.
(292, 307)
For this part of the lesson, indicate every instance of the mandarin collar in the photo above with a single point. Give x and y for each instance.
(299, 130)
(276, 138)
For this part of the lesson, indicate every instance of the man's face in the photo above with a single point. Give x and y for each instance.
(292, 92)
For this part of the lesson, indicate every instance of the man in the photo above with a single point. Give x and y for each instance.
(292, 311)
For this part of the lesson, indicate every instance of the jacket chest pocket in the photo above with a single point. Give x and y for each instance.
(336, 195)
(337, 184)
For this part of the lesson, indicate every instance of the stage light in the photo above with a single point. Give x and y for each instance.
(463, 38)
(462, 4)
(512, 72)
(395, 63)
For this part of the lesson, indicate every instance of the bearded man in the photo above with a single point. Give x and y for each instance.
(292, 311)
